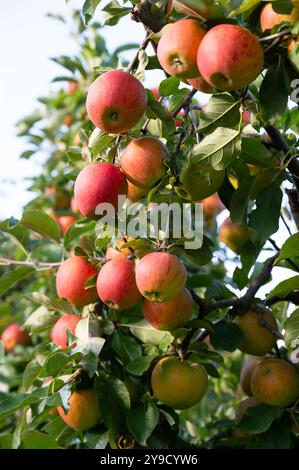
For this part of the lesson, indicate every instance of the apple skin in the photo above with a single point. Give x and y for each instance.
(169, 315)
(179, 384)
(135, 193)
(200, 84)
(229, 57)
(293, 53)
(71, 278)
(142, 161)
(246, 374)
(116, 101)
(116, 284)
(84, 412)
(257, 340)
(160, 276)
(98, 183)
(177, 48)
(212, 206)
(269, 18)
(199, 184)
(235, 236)
(59, 330)
(74, 207)
(275, 382)
(65, 221)
(13, 335)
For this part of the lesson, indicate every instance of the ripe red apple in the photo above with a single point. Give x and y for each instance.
(246, 116)
(71, 278)
(59, 330)
(200, 84)
(13, 335)
(169, 315)
(230, 57)
(98, 183)
(177, 48)
(235, 236)
(74, 207)
(72, 87)
(65, 221)
(212, 206)
(84, 412)
(68, 120)
(275, 382)
(179, 384)
(160, 276)
(116, 284)
(269, 18)
(246, 374)
(257, 339)
(135, 193)
(116, 101)
(142, 161)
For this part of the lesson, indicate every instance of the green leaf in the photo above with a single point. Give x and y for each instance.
(226, 336)
(245, 6)
(27, 154)
(275, 83)
(156, 111)
(142, 421)
(169, 86)
(5, 441)
(290, 249)
(177, 99)
(265, 218)
(278, 436)
(286, 286)
(54, 364)
(89, 8)
(113, 12)
(140, 365)
(240, 200)
(57, 305)
(11, 404)
(114, 401)
(221, 111)
(19, 235)
(291, 327)
(259, 418)
(30, 374)
(34, 439)
(254, 152)
(217, 149)
(41, 319)
(11, 278)
(41, 223)
(125, 347)
(147, 334)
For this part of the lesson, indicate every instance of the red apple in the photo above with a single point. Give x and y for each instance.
(230, 57)
(13, 335)
(200, 84)
(99, 183)
(64, 324)
(116, 101)
(212, 206)
(160, 276)
(83, 413)
(65, 221)
(177, 48)
(116, 284)
(269, 18)
(71, 278)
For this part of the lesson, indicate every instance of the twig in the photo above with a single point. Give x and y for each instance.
(185, 103)
(287, 32)
(8, 262)
(294, 205)
(142, 47)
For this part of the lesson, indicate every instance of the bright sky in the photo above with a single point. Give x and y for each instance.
(27, 39)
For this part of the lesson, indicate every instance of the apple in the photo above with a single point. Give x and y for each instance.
(199, 183)
(246, 374)
(212, 206)
(230, 57)
(14, 335)
(293, 53)
(71, 278)
(68, 120)
(116, 101)
(116, 284)
(72, 87)
(65, 221)
(177, 48)
(179, 384)
(160, 276)
(235, 236)
(64, 324)
(269, 18)
(98, 183)
(142, 161)
(257, 339)
(200, 84)
(58, 197)
(275, 382)
(74, 207)
(83, 413)
(135, 193)
(169, 315)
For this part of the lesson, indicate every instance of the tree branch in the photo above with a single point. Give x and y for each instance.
(10, 262)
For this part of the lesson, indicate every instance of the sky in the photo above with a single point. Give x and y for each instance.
(27, 40)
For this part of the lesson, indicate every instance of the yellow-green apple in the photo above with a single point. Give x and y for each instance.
(116, 284)
(83, 413)
(171, 314)
(14, 335)
(269, 18)
(116, 101)
(62, 326)
(160, 276)
(235, 236)
(275, 382)
(179, 384)
(99, 183)
(229, 57)
(142, 161)
(258, 327)
(246, 373)
(177, 48)
(200, 182)
(71, 280)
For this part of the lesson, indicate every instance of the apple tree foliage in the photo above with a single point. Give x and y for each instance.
(117, 351)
